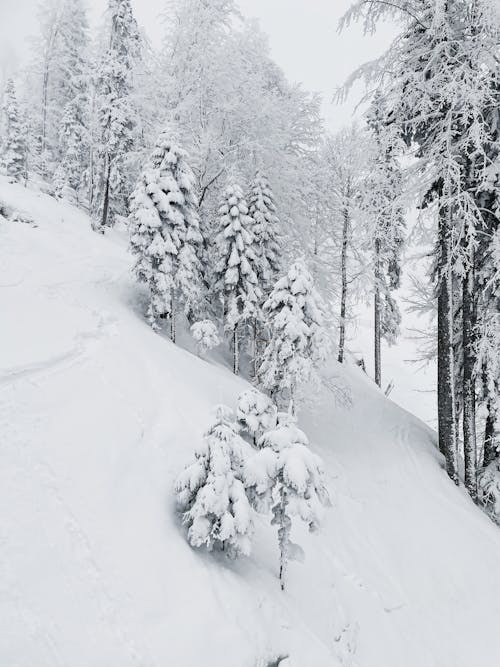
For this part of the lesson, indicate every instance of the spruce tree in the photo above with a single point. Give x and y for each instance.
(236, 272)
(14, 149)
(287, 477)
(211, 494)
(116, 114)
(262, 210)
(297, 341)
(164, 233)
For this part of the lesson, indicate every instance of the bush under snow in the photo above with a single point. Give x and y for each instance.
(206, 335)
(256, 413)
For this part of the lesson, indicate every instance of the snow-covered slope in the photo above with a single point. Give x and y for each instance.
(99, 414)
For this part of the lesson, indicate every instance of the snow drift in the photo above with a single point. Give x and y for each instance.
(99, 415)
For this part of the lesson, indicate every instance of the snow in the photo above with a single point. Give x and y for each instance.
(99, 415)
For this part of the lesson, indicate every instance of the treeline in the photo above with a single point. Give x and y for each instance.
(441, 80)
(225, 174)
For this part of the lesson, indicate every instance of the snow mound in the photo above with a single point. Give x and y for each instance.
(99, 415)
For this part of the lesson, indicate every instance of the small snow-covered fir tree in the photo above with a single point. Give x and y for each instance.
(164, 232)
(236, 272)
(298, 340)
(206, 335)
(14, 151)
(211, 494)
(286, 476)
(266, 231)
(256, 413)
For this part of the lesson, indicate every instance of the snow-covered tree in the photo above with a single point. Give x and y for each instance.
(116, 113)
(210, 492)
(287, 477)
(58, 81)
(235, 112)
(266, 229)
(236, 273)
(298, 339)
(383, 202)
(164, 233)
(347, 156)
(256, 413)
(206, 335)
(72, 95)
(13, 158)
(441, 77)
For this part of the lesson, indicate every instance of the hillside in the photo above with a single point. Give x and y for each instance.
(99, 414)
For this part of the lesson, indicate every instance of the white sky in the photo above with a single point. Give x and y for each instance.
(302, 35)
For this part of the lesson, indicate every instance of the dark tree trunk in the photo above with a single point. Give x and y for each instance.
(445, 365)
(172, 317)
(490, 449)
(469, 384)
(376, 316)
(236, 352)
(343, 296)
(105, 205)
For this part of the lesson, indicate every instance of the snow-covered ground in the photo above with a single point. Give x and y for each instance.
(98, 415)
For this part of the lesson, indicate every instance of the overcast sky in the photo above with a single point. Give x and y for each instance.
(302, 35)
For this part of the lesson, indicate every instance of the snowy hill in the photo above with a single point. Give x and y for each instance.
(99, 414)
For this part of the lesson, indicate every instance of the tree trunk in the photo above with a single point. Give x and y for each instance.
(343, 296)
(445, 362)
(468, 382)
(105, 206)
(44, 115)
(236, 352)
(255, 350)
(376, 316)
(490, 450)
(172, 317)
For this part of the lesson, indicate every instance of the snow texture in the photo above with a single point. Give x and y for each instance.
(98, 416)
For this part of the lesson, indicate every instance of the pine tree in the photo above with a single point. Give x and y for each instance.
(287, 476)
(14, 150)
(164, 233)
(383, 193)
(210, 492)
(298, 340)
(236, 272)
(262, 210)
(116, 113)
